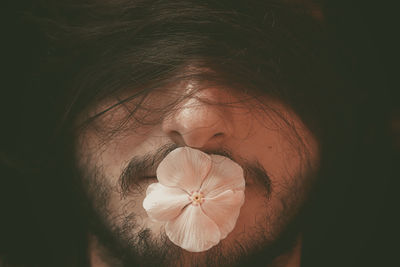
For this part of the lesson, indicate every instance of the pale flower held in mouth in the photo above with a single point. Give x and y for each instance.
(198, 196)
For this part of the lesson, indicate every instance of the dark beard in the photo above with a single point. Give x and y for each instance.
(118, 248)
(118, 251)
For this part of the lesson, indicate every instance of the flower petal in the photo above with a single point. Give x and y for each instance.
(185, 168)
(225, 174)
(164, 203)
(193, 230)
(224, 210)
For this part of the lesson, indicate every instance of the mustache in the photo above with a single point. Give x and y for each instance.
(144, 167)
(141, 168)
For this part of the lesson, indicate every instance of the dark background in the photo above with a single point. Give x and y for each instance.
(362, 229)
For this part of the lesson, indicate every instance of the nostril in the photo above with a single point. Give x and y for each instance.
(177, 137)
(175, 133)
(217, 137)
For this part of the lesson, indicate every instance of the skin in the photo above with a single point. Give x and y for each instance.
(253, 129)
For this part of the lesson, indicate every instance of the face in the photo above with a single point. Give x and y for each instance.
(276, 150)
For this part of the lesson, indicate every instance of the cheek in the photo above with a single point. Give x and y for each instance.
(253, 209)
(285, 150)
(113, 154)
(120, 209)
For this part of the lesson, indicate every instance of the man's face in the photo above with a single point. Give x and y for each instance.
(276, 150)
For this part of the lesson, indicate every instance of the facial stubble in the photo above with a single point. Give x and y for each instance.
(123, 240)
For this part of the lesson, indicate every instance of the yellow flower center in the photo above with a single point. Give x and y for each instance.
(197, 198)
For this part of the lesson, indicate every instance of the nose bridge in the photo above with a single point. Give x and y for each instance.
(200, 121)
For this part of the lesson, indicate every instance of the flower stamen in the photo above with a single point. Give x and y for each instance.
(197, 198)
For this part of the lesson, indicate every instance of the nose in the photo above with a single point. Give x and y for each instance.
(200, 121)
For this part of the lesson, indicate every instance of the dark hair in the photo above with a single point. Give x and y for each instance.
(86, 51)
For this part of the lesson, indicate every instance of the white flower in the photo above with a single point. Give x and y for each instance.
(198, 196)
